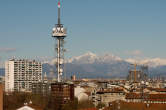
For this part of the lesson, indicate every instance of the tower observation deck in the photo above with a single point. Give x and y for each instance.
(59, 33)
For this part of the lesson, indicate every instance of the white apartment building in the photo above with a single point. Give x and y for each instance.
(20, 74)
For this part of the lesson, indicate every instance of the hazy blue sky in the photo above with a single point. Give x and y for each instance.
(121, 27)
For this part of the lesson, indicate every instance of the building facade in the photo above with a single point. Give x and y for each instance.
(20, 74)
(106, 96)
(62, 93)
(146, 98)
(43, 88)
(1, 96)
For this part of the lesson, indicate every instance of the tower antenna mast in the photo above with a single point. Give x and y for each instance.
(59, 33)
(59, 12)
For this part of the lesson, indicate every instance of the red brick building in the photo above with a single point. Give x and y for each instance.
(1, 97)
(62, 92)
(148, 98)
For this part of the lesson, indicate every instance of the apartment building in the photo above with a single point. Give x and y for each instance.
(20, 74)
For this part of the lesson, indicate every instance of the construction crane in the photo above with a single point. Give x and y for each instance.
(135, 71)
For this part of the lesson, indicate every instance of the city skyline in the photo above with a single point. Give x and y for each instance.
(125, 28)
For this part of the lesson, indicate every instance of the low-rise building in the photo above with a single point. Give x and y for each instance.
(108, 95)
(80, 93)
(147, 98)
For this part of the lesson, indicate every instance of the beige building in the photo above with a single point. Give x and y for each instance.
(108, 95)
(20, 74)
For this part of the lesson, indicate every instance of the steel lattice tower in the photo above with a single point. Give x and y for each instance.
(59, 33)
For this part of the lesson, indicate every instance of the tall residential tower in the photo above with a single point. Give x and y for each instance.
(20, 74)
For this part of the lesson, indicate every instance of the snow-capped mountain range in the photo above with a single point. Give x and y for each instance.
(153, 62)
(90, 58)
(107, 65)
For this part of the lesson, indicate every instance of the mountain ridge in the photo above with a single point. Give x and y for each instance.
(108, 65)
(109, 57)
